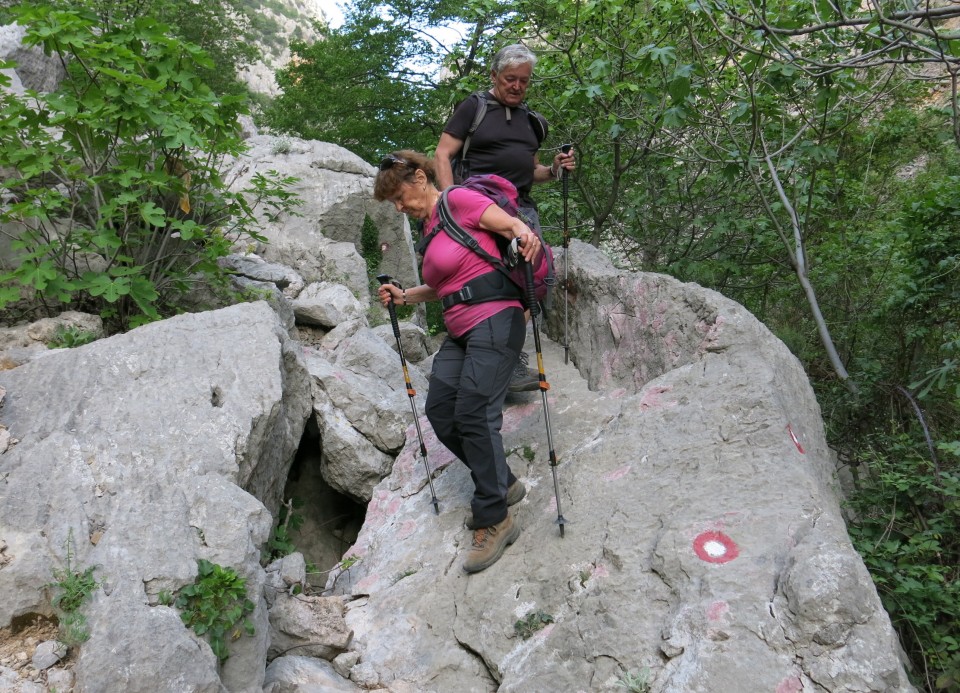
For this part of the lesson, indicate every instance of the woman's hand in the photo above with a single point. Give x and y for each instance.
(530, 245)
(386, 292)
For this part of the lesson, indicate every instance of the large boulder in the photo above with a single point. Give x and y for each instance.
(138, 455)
(703, 539)
(322, 242)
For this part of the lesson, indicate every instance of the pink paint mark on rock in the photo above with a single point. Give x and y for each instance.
(652, 399)
(619, 393)
(617, 473)
(365, 584)
(601, 571)
(551, 506)
(791, 684)
(715, 547)
(796, 441)
(716, 610)
(406, 529)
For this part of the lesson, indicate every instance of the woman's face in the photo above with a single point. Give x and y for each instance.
(412, 199)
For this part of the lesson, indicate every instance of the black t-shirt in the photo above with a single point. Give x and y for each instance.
(501, 146)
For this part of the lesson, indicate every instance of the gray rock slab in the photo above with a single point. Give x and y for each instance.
(700, 502)
(144, 452)
(323, 240)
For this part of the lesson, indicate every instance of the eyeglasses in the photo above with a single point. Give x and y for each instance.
(390, 159)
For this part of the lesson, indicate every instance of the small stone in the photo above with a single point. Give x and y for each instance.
(343, 663)
(49, 653)
(364, 675)
(60, 679)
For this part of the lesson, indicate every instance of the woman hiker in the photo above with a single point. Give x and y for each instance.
(472, 369)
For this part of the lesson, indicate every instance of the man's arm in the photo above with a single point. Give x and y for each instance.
(544, 174)
(447, 148)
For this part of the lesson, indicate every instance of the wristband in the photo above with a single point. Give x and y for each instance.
(403, 295)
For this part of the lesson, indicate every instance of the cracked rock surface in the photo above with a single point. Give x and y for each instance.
(704, 539)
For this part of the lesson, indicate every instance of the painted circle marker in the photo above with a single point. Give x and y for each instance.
(715, 547)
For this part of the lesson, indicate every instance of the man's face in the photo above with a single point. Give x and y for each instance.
(510, 84)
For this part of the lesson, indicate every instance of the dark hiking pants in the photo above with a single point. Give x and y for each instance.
(465, 405)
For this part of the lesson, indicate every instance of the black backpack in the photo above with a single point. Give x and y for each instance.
(459, 163)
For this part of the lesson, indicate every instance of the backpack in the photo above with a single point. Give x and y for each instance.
(508, 281)
(459, 163)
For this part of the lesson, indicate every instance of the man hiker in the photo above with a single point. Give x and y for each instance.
(495, 132)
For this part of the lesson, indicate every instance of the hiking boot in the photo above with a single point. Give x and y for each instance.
(524, 379)
(515, 494)
(489, 544)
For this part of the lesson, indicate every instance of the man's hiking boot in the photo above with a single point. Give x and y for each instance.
(524, 379)
(515, 494)
(489, 543)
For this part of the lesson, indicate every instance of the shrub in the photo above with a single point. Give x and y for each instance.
(906, 525)
(72, 589)
(114, 179)
(216, 606)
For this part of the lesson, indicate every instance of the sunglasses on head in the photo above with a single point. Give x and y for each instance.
(390, 159)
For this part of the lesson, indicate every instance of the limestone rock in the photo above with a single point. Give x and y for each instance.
(323, 241)
(310, 626)
(296, 674)
(699, 496)
(157, 447)
(327, 305)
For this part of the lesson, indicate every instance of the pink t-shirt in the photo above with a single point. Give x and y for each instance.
(447, 265)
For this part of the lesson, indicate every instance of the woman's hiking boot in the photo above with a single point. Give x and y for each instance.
(524, 379)
(515, 494)
(489, 544)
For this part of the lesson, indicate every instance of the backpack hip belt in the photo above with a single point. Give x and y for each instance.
(492, 286)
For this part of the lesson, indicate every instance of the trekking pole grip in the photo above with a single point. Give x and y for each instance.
(391, 307)
(531, 294)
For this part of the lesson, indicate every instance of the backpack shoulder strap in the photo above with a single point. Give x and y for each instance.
(478, 116)
(539, 124)
(460, 235)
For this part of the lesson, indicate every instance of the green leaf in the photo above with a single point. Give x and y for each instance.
(153, 215)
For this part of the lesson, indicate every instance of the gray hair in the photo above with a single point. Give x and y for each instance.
(513, 56)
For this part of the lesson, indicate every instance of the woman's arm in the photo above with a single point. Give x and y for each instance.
(404, 297)
(495, 220)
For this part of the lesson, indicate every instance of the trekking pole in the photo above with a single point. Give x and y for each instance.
(386, 279)
(544, 385)
(566, 261)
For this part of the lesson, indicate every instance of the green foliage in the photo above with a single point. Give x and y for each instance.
(126, 210)
(216, 606)
(531, 623)
(638, 682)
(69, 336)
(281, 544)
(72, 589)
(906, 525)
(370, 246)
(371, 86)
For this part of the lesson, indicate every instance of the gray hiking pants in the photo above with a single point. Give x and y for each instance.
(465, 405)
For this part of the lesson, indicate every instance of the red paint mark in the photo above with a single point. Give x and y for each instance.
(793, 437)
(617, 473)
(791, 684)
(716, 610)
(715, 547)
